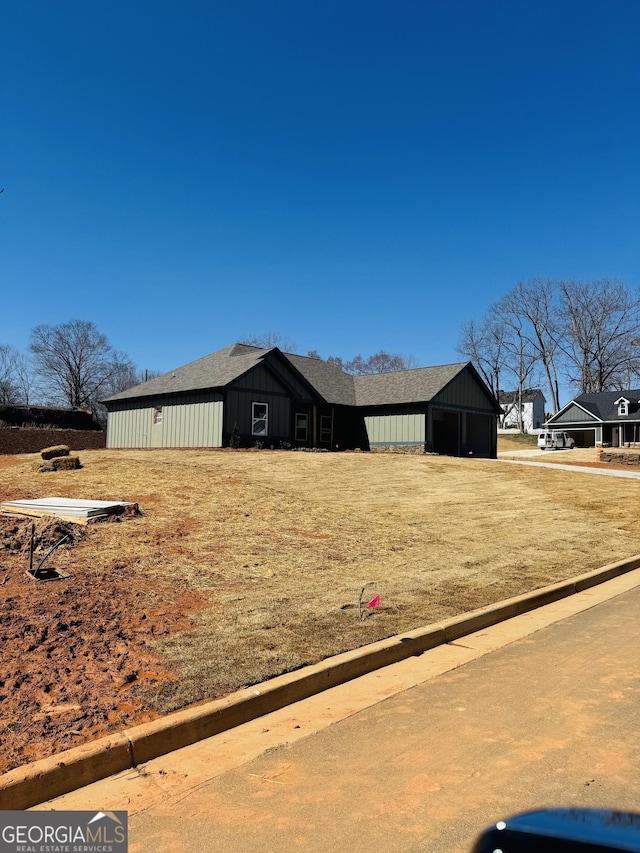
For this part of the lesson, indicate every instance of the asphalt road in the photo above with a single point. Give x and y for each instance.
(540, 711)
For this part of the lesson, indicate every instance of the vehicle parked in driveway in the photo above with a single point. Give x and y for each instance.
(555, 440)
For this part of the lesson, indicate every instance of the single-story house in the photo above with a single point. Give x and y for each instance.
(603, 419)
(533, 403)
(264, 397)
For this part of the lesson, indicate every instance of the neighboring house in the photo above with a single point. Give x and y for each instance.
(607, 418)
(268, 398)
(533, 402)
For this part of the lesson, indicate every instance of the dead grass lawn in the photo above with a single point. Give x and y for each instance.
(275, 547)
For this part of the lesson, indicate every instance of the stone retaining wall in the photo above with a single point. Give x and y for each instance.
(620, 457)
(26, 440)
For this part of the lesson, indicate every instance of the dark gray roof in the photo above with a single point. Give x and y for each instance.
(213, 371)
(334, 385)
(528, 395)
(404, 386)
(331, 384)
(602, 404)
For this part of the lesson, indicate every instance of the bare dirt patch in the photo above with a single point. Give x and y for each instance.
(246, 565)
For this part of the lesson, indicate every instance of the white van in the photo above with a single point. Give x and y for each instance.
(555, 440)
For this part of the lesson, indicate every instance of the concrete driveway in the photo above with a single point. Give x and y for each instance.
(553, 459)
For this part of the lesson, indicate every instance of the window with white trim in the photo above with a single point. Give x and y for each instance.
(623, 406)
(259, 418)
(157, 414)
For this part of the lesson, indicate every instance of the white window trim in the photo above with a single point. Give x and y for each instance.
(255, 418)
(623, 406)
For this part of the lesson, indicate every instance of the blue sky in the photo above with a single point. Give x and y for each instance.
(354, 175)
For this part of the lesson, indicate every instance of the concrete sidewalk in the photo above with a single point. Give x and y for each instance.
(537, 710)
(579, 469)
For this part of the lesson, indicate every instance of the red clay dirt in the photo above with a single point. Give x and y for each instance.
(74, 650)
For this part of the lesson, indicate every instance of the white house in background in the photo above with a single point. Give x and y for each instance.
(533, 402)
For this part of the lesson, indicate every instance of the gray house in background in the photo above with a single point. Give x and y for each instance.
(603, 419)
(274, 399)
(533, 414)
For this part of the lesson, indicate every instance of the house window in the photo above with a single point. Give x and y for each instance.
(623, 407)
(302, 426)
(259, 418)
(325, 429)
(157, 415)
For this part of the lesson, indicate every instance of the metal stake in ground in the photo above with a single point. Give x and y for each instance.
(46, 575)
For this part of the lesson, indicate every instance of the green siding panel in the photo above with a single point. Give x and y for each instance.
(395, 429)
(191, 421)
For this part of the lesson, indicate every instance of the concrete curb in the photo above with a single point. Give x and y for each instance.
(43, 780)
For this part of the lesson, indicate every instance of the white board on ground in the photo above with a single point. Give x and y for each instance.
(63, 507)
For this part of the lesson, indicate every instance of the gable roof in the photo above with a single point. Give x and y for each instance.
(418, 385)
(212, 371)
(331, 384)
(603, 406)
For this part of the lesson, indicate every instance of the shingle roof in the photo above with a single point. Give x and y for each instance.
(212, 371)
(332, 384)
(528, 395)
(404, 386)
(602, 404)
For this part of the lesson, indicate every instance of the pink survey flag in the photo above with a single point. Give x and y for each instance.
(375, 602)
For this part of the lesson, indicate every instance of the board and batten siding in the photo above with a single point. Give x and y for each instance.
(574, 415)
(190, 421)
(258, 386)
(239, 412)
(395, 429)
(463, 392)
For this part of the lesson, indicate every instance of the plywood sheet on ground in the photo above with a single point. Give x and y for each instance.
(68, 508)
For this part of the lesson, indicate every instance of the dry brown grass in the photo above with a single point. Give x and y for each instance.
(275, 546)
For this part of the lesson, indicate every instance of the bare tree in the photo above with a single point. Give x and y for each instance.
(520, 356)
(122, 374)
(76, 362)
(9, 388)
(585, 331)
(483, 344)
(600, 344)
(334, 360)
(271, 339)
(536, 302)
(381, 362)
(16, 376)
(25, 379)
